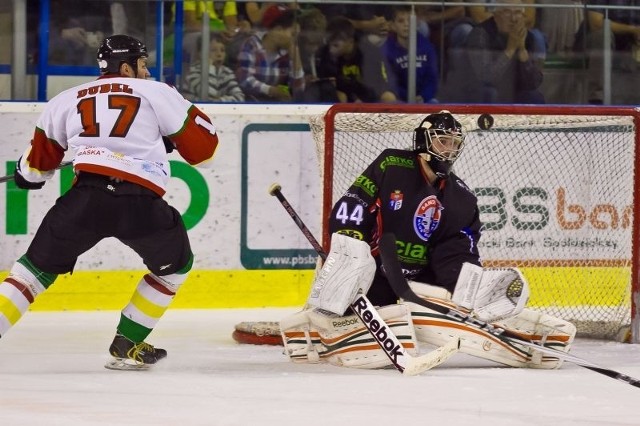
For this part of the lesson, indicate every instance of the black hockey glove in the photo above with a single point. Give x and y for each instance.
(22, 183)
(168, 145)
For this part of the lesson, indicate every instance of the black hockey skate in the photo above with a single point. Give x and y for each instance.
(133, 356)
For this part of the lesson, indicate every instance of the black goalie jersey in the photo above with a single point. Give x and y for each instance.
(437, 228)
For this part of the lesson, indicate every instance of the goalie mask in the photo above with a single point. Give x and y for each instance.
(440, 137)
(118, 49)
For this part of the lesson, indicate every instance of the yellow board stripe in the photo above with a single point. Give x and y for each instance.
(576, 286)
(9, 309)
(112, 290)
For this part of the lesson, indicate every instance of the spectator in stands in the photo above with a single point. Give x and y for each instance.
(138, 19)
(222, 83)
(132, 18)
(445, 26)
(358, 67)
(223, 16)
(369, 20)
(75, 37)
(395, 50)
(313, 25)
(561, 26)
(625, 42)
(269, 66)
(480, 14)
(497, 65)
(223, 19)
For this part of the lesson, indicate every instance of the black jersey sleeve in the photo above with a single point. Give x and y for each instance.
(354, 214)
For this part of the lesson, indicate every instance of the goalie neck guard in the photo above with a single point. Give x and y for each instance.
(443, 131)
(118, 49)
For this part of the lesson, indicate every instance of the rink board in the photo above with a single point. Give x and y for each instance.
(283, 288)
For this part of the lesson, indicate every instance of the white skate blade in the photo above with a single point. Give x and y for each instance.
(432, 359)
(124, 364)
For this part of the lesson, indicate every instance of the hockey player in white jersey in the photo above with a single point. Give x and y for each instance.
(120, 128)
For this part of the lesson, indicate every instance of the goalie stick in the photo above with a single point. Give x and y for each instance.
(405, 363)
(401, 287)
(10, 177)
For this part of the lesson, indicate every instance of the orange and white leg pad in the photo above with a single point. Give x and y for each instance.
(437, 329)
(344, 341)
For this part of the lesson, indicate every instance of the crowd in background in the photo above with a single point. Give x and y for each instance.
(358, 52)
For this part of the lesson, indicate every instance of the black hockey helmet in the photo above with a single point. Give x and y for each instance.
(434, 126)
(116, 49)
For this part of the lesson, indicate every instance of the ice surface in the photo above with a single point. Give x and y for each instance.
(51, 373)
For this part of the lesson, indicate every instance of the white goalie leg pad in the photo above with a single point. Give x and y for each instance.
(301, 344)
(437, 329)
(349, 268)
(344, 341)
(545, 330)
(493, 294)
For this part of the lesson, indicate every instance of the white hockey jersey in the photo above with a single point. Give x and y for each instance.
(115, 126)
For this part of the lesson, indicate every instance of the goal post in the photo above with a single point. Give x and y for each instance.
(557, 189)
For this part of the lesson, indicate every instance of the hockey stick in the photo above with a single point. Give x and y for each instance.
(10, 177)
(362, 307)
(401, 288)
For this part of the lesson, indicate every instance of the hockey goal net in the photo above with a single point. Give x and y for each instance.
(556, 189)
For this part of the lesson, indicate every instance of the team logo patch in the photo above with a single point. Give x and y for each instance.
(427, 217)
(395, 200)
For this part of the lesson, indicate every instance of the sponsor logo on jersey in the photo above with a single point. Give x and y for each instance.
(351, 233)
(427, 217)
(392, 160)
(395, 202)
(414, 253)
(357, 198)
(367, 185)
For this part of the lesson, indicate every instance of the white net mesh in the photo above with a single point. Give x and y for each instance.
(555, 195)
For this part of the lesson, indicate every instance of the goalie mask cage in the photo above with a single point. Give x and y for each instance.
(556, 190)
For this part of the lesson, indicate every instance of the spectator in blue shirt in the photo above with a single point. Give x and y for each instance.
(395, 50)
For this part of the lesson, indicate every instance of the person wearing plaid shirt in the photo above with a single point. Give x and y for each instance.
(269, 66)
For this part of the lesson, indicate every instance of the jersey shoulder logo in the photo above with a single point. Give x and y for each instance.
(427, 217)
(395, 200)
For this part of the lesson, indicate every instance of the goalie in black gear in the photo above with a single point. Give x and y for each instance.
(415, 195)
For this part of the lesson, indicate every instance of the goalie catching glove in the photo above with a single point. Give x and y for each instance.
(491, 294)
(497, 296)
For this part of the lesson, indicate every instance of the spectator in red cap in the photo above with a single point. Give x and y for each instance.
(269, 66)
